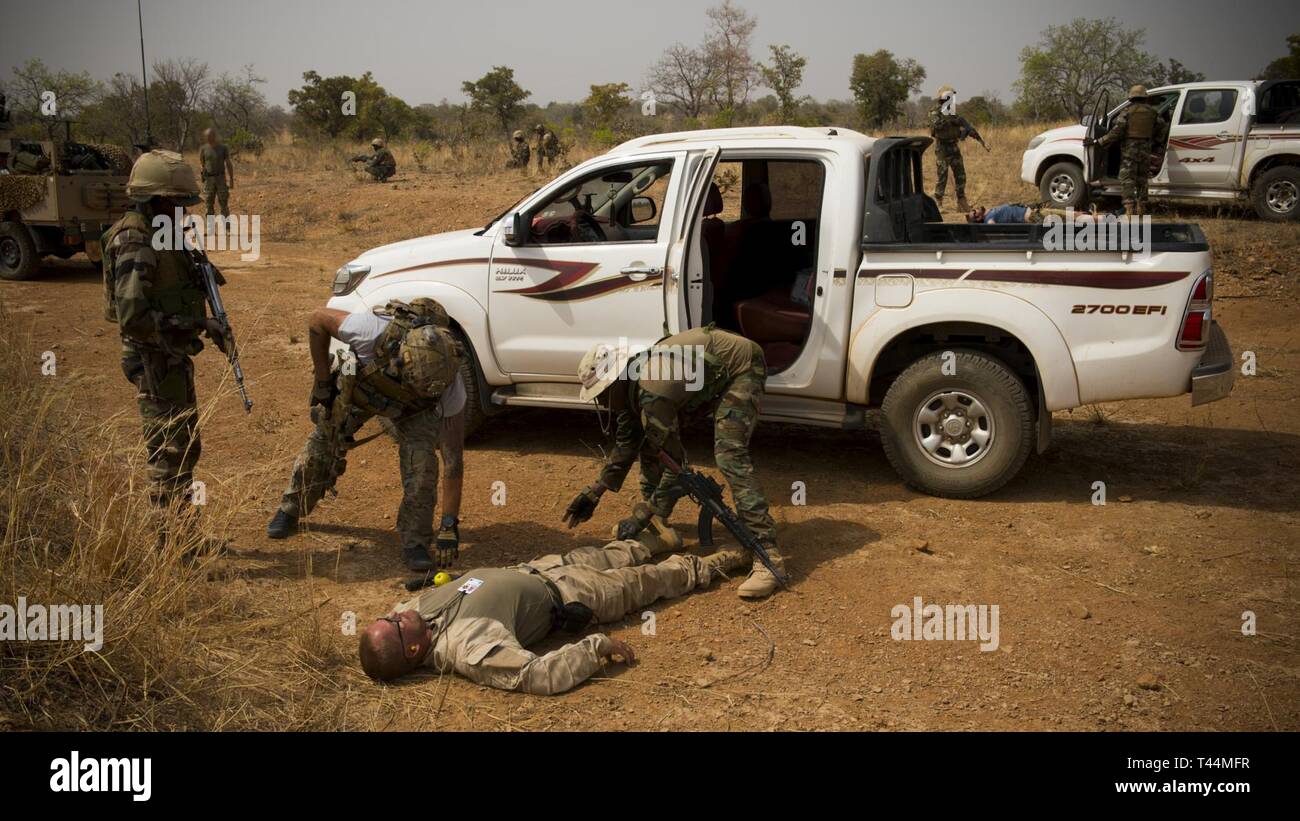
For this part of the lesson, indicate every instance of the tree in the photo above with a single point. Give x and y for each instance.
(237, 104)
(498, 94)
(1173, 73)
(684, 79)
(784, 76)
(176, 94)
(881, 85)
(605, 105)
(726, 51)
(72, 93)
(984, 108)
(1073, 64)
(1284, 68)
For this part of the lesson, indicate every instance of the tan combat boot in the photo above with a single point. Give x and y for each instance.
(962, 204)
(761, 582)
(724, 562)
(658, 537)
(938, 200)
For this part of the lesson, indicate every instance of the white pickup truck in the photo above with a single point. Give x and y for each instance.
(1227, 141)
(821, 245)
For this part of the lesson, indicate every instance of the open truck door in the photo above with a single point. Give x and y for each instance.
(1094, 155)
(896, 206)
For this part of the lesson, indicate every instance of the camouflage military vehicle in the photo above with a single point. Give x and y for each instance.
(56, 199)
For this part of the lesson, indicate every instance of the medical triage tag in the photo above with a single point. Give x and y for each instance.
(470, 586)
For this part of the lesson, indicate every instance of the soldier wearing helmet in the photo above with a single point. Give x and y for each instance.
(1137, 129)
(402, 366)
(548, 146)
(519, 154)
(158, 301)
(948, 129)
(693, 371)
(380, 164)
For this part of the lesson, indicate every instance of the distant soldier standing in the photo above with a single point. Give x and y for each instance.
(519, 154)
(403, 368)
(948, 129)
(692, 370)
(158, 301)
(548, 146)
(214, 159)
(380, 164)
(1137, 126)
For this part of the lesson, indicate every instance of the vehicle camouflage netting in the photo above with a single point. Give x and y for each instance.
(20, 191)
(119, 161)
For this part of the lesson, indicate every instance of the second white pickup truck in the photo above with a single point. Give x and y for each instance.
(821, 245)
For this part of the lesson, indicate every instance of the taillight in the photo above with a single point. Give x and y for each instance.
(1195, 332)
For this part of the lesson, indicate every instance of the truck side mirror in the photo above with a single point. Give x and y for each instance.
(516, 229)
(643, 210)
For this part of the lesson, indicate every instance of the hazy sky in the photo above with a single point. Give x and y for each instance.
(422, 50)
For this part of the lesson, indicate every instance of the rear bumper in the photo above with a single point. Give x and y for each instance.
(1212, 379)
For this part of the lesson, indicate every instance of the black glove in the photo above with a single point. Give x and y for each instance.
(323, 393)
(632, 526)
(1089, 142)
(446, 548)
(582, 507)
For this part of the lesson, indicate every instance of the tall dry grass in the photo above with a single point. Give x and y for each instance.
(182, 647)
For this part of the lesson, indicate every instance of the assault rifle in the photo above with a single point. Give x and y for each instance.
(707, 493)
(975, 135)
(210, 277)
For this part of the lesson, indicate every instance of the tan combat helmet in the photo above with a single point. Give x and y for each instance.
(600, 368)
(1137, 92)
(944, 91)
(162, 173)
(517, 136)
(377, 143)
(539, 129)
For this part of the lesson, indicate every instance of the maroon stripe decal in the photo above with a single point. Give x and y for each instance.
(1122, 280)
(569, 273)
(592, 289)
(435, 264)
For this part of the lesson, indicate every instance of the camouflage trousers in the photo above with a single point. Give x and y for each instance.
(734, 421)
(379, 173)
(945, 159)
(323, 460)
(164, 384)
(1135, 171)
(519, 158)
(215, 192)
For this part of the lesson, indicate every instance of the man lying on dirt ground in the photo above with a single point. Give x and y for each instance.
(406, 372)
(481, 624)
(684, 373)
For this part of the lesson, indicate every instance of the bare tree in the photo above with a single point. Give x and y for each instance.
(41, 91)
(684, 79)
(726, 49)
(176, 95)
(237, 103)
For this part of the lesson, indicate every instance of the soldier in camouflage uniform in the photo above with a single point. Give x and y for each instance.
(380, 164)
(948, 130)
(548, 146)
(159, 304)
(684, 373)
(402, 367)
(1138, 126)
(214, 160)
(519, 154)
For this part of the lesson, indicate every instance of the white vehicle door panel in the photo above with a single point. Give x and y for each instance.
(1205, 146)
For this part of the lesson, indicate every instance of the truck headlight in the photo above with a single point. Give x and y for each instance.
(1036, 141)
(347, 278)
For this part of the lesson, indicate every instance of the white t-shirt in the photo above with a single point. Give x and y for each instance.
(361, 330)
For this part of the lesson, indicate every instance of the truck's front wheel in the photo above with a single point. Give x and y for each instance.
(1063, 186)
(1276, 194)
(18, 257)
(958, 424)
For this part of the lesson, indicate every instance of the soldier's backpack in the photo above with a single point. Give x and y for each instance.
(418, 347)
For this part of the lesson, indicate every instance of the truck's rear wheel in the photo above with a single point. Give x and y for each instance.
(18, 257)
(958, 424)
(1063, 186)
(1276, 194)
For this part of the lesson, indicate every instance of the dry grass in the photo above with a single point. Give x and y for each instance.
(179, 650)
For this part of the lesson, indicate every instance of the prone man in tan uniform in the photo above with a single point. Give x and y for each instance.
(481, 624)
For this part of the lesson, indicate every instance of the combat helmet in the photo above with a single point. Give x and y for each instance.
(1137, 92)
(162, 173)
(944, 91)
(377, 142)
(517, 136)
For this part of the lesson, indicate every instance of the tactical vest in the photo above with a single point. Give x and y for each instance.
(416, 360)
(1141, 122)
(946, 128)
(176, 290)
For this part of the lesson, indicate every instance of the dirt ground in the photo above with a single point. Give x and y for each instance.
(1095, 602)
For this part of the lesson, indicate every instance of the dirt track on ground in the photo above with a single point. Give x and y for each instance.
(1202, 522)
